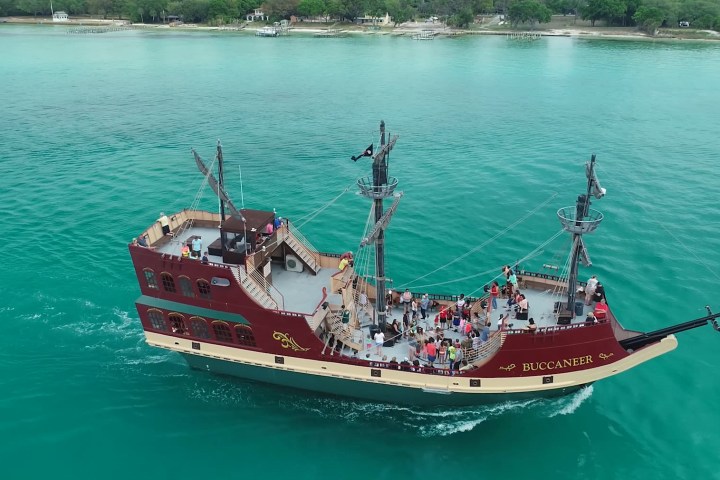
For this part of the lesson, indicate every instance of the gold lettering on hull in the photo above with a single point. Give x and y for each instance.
(288, 342)
(557, 364)
(507, 368)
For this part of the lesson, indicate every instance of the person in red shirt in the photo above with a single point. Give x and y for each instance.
(494, 294)
(431, 350)
(601, 309)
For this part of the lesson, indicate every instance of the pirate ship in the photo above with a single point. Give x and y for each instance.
(258, 301)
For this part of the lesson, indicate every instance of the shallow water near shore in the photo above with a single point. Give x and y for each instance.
(97, 131)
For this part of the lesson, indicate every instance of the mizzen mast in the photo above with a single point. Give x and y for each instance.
(378, 187)
(579, 220)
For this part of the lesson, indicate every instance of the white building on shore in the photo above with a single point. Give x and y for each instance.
(60, 16)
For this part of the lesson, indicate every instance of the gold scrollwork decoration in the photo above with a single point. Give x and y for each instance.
(508, 368)
(288, 342)
(605, 356)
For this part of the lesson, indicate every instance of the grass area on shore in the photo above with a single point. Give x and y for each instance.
(560, 25)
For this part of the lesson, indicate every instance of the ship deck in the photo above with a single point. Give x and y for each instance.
(540, 308)
(302, 292)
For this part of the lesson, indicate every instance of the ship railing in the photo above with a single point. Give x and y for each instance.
(255, 289)
(485, 350)
(297, 235)
(261, 281)
(321, 311)
(396, 366)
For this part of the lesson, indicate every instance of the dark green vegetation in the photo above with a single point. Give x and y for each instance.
(647, 14)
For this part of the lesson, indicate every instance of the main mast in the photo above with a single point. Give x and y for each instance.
(579, 220)
(221, 183)
(378, 188)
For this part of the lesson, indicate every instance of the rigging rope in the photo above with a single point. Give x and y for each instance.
(299, 222)
(682, 244)
(487, 242)
(537, 251)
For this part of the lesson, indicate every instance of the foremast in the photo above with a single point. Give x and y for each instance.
(579, 220)
(378, 187)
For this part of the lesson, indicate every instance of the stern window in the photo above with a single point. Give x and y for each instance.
(150, 279)
(186, 287)
(222, 332)
(177, 324)
(156, 320)
(245, 336)
(199, 327)
(204, 288)
(168, 282)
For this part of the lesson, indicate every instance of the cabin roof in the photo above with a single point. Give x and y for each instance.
(256, 219)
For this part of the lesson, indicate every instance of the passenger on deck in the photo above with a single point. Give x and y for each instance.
(502, 322)
(185, 252)
(164, 223)
(345, 315)
(394, 363)
(343, 264)
(431, 350)
(196, 247)
(142, 241)
(513, 300)
(468, 327)
(406, 299)
(424, 303)
(531, 325)
(459, 357)
(590, 289)
(461, 302)
(601, 310)
(451, 353)
(494, 293)
(277, 223)
(389, 301)
(413, 349)
(456, 320)
(269, 228)
(599, 292)
(379, 340)
(522, 304)
(395, 329)
(442, 352)
(405, 365)
(485, 332)
(205, 260)
(467, 342)
(414, 309)
(590, 319)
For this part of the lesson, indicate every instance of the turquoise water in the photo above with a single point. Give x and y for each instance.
(96, 133)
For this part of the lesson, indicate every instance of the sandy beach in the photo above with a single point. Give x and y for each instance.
(561, 26)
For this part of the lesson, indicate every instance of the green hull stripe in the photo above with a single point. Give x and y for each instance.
(191, 310)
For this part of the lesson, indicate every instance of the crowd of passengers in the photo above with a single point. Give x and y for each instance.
(431, 349)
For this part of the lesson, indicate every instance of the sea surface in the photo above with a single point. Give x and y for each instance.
(96, 132)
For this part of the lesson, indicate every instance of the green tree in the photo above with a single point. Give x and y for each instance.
(700, 13)
(462, 18)
(399, 10)
(649, 18)
(312, 8)
(528, 11)
(279, 9)
(607, 10)
(33, 7)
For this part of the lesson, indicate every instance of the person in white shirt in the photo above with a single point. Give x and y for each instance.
(379, 340)
(590, 289)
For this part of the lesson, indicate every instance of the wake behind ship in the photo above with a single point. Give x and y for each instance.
(242, 292)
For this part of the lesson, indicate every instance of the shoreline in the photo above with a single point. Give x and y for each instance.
(407, 30)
